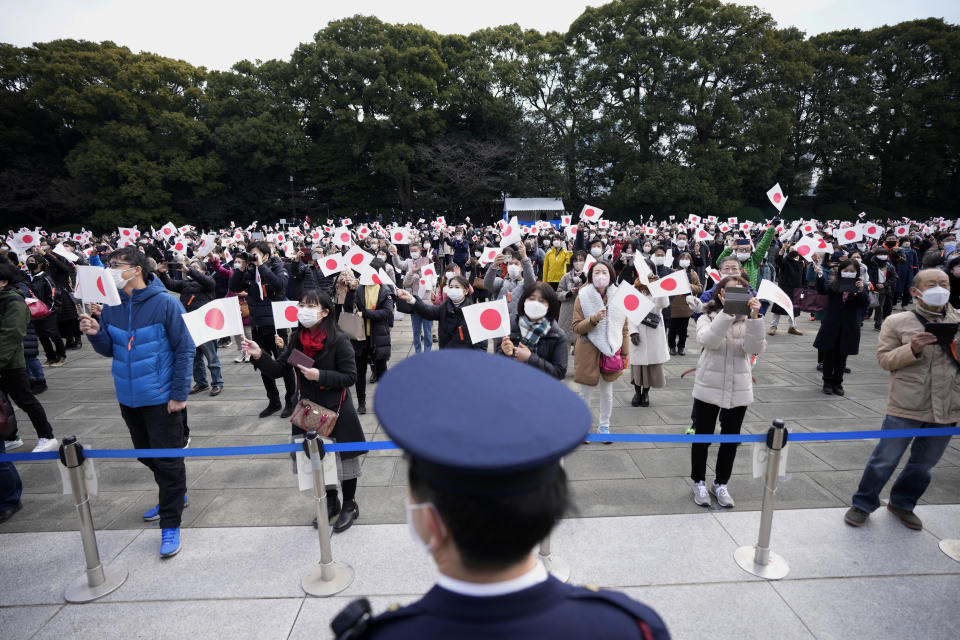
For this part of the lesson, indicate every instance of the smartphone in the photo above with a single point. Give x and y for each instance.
(735, 300)
(945, 331)
(173, 265)
(299, 357)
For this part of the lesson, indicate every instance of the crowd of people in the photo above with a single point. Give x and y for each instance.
(558, 282)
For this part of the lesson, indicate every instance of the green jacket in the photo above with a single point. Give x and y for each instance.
(13, 327)
(752, 265)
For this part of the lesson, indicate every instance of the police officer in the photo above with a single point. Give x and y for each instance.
(485, 487)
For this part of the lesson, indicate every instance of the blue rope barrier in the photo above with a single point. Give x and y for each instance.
(387, 444)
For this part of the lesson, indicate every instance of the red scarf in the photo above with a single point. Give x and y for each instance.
(312, 340)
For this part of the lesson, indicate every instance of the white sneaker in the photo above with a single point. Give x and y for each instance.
(46, 444)
(700, 495)
(240, 357)
(188, 443)
(724, 499)
(16, 443)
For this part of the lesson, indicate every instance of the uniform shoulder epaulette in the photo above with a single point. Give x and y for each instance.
(356, 619)
(649, 622)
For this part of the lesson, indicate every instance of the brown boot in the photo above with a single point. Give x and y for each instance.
(794, 331)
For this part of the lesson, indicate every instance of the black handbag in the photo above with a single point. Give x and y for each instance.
(652, 320)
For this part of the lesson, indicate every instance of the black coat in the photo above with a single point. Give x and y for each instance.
(551, 353)
(195, 291)
(790, 272)
(274, 277)
(306, 276)
(873, 269)
(62, 272)
(380, 318)
(338, 372)
(840, 325)
(31, 344)
(452, 331)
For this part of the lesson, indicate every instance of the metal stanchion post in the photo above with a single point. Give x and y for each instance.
(559, 568)
(759, 560)
(951, 548)
(328, 577)
(97, 582)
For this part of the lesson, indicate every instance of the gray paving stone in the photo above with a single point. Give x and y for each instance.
(244, 473)
(132, 516)
(944, 487)
(806, 409)
(313, 621)
(56, 512)
(600, 464)
(594, 498)
(663, 463)
(258, 508)
(843, 456)
(795, 491)
(20, 623)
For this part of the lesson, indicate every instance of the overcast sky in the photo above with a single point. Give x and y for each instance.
(217, 33)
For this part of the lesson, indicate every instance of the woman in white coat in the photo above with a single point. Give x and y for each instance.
(648, 348)
(723, 386)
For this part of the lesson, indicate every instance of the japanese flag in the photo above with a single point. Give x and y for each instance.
(489, 254)
(487, 320)
(746, 226)
(809, 246)
(732, 221)
(284, 314)
(238, 236)
(650, 231)
(714, 274)
(214, 320)
(604, 224)
(65, 253)
(347, 222)
(206, 245)
(862, 215)
(635, 305)
(724, 227)
(341, 237)
(702, 235)
(428, 270)
(168, 231)
(590, 213)
(711, 218)
(357, 259)
(441, 221)
(331, 264)
(180, 246)
(773, 293)
(810, 226)
(511, 233)
(788, 233)
(128, 232)
(848, 235)
(674, 284)
(125, 242)
(693, 219)
(901, 230)
(369, 276)
(590, 261)
(27, 238)
(776, 197)
(94, 284)
(571, 232)
(565, 221)
(400, 235)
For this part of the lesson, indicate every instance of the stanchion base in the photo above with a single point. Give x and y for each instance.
(80, 590)
(774, 570)
(314, 585)
(951, 548)
(556, 567)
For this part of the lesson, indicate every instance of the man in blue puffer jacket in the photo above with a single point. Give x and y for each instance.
(152, 367)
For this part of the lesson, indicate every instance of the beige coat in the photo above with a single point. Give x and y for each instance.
(724, 373)
(586, 357)
(925, 388)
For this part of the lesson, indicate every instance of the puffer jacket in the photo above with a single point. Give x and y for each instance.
(273, 277)
(14, 319)
(151, 348)
(724, 373)
(925, 388)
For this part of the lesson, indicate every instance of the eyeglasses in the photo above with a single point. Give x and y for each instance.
(118, 265)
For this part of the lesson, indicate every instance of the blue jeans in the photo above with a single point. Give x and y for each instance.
(34, 369)
(913, 480)
(207, 350)
(423, 328)
(11, 488)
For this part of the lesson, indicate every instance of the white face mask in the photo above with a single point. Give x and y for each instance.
(454, 293)
(557, 244)
(657, 260)
(426, 245)
(847, 274)
(743, 257)
(935, 296)
(681, 243)
(684, 264)
(578, 265)
(534, 309)
(449, 275)
(596, 251)
(881, 257)
(118, 279)
(646, 248)
(417, 540)
(415, 255)
(513, 270)
(601, 280)
(546, 243)
(476, 254)
(307, 316)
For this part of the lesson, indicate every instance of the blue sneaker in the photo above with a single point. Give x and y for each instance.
(154, 513)
(169, 542)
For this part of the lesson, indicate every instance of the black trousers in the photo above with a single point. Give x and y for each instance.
(884, 308)
(677, 334)
(378, 366)
(264, 337)
(153, 428)
(706, 423)
(833, 365)
(16, 384)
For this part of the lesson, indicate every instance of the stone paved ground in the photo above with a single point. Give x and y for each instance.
(614, 480)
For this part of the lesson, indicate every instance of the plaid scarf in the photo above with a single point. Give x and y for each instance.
(530, 332)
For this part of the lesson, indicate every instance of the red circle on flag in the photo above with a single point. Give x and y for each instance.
(490, 319)
(136, 234)
(702, 233)
(331, 264)
(804, 250)
(507, 231)
(589, 213)
(668, 285)
(398, 236)
(126, 232)
(214, 319)
(168, 231)
(376, 279)
(178, 246)
(631, 302)
(357, 258)
(850, 235)
(822, 245)
(423, 282)
(344, 237)
(290, 313)
(100, 286)
(27, 239)
(492, 255)
(777, 197)
(871, 229)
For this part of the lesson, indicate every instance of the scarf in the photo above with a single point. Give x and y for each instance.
(607, 336)
(531, 332)
(311, 340)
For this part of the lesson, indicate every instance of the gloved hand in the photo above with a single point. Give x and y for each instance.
(775, 222)
(635, 339)
(694, 303)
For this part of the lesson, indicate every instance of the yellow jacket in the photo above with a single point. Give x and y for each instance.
(555, 264)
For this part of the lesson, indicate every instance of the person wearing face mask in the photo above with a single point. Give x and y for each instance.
(680, 311)
(452, 330)
(63, 273)
(790, 271)
(905, 271)
(461, 249)
(519, 274)
(326, 383)
(48, 328)
(153, 365)
(422, 327)
(648, 346)
(374, 303)
(924, 392)
(556, 262)
(535, 337)
(479, 516)
(603, 345)
(752, 260)
(567, 291)
(839, 334)
(883, 275)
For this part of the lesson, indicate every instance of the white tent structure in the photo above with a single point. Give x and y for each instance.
(530, 209)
